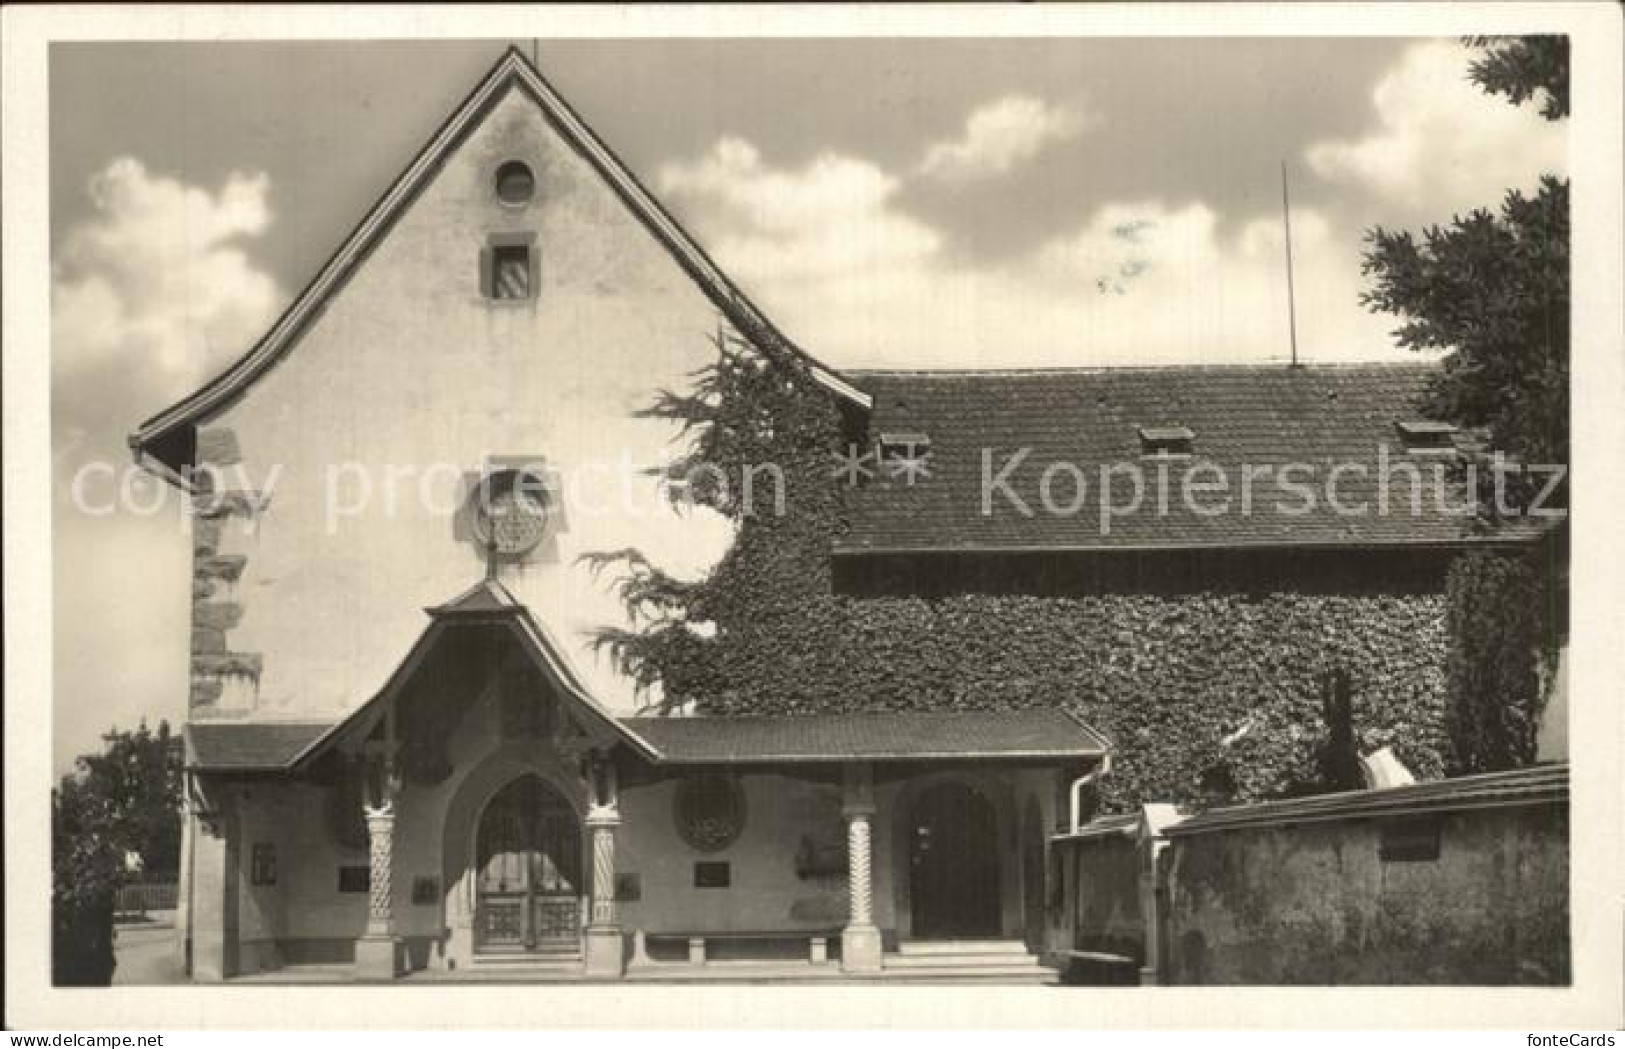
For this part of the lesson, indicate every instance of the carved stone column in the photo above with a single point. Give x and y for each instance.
(378, 953)
(605, 949)
(603, 871)
(381, 886)
(860, 940)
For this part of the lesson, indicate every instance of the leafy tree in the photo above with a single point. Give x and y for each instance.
(85, 867)
(124, 800)
(1492, 289)
(1495, 670)
(138, 778)
(1521, 67)
(695, 641)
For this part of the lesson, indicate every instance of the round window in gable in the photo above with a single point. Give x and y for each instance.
(515, 183)
(510, 512)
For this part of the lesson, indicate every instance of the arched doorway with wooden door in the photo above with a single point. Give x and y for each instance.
(529, 889)
(954, 864)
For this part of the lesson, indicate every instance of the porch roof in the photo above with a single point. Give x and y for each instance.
(1019, 735)
(249, 746)
(912, 736)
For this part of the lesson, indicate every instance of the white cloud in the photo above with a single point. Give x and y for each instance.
(833, 217)
(1440, 144)
(156, 276)
(999, 136)
(149, 292)
(834, 259)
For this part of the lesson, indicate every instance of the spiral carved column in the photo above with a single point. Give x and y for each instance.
(860, 864)
(860, 940)
(381, 889)
(605, 946)
(378, 954)
(603, 873)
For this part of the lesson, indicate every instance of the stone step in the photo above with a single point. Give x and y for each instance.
(971, 973)
(549, 960)
(927, 947)
(969, 960)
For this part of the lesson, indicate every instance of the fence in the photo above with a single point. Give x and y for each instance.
(152, 894)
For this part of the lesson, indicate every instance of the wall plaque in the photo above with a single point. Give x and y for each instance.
(1413, 839)
(712, 874)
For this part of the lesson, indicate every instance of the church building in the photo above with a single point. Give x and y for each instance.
(411, 755)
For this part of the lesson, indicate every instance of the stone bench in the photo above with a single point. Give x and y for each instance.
(817, 942)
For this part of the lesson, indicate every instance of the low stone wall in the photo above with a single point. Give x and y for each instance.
(1462, 881)
(1453, 882)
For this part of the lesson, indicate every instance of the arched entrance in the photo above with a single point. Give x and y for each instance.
(954, 864)
(528, 887)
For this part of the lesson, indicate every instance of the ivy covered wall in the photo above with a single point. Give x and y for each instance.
(1210, 680)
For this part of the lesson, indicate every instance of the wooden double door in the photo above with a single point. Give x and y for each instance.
(529, 892)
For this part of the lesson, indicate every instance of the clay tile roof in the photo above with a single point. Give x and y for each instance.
(1264, 416)
(1013, 735)
(248, 746)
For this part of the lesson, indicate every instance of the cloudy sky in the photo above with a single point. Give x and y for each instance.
(919, 203)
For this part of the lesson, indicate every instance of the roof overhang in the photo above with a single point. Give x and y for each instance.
(1492, 539)
(1035, 735)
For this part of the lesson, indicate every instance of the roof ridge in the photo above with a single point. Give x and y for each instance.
(675, 719)
(260, 722)
(1111, 369)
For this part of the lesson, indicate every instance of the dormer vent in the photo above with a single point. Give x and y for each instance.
(1427, 437)
(1167, 442)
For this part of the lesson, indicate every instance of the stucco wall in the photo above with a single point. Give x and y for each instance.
(409, 367)
(1103, 911)
(303, 917)
(765, 893)
(1314, 903)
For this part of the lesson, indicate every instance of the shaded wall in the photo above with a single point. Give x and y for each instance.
(1101, 875)
(1318, 903)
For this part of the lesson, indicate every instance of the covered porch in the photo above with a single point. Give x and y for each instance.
(484, 818)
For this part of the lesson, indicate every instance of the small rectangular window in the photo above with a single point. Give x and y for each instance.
(355, 879)
(1166, 442)
(1427, 437)
(263, 866)
(712, 874)
(510, 272)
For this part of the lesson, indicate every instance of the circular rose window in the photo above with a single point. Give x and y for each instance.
(510, 512)
(515, 183)
(710, 811)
